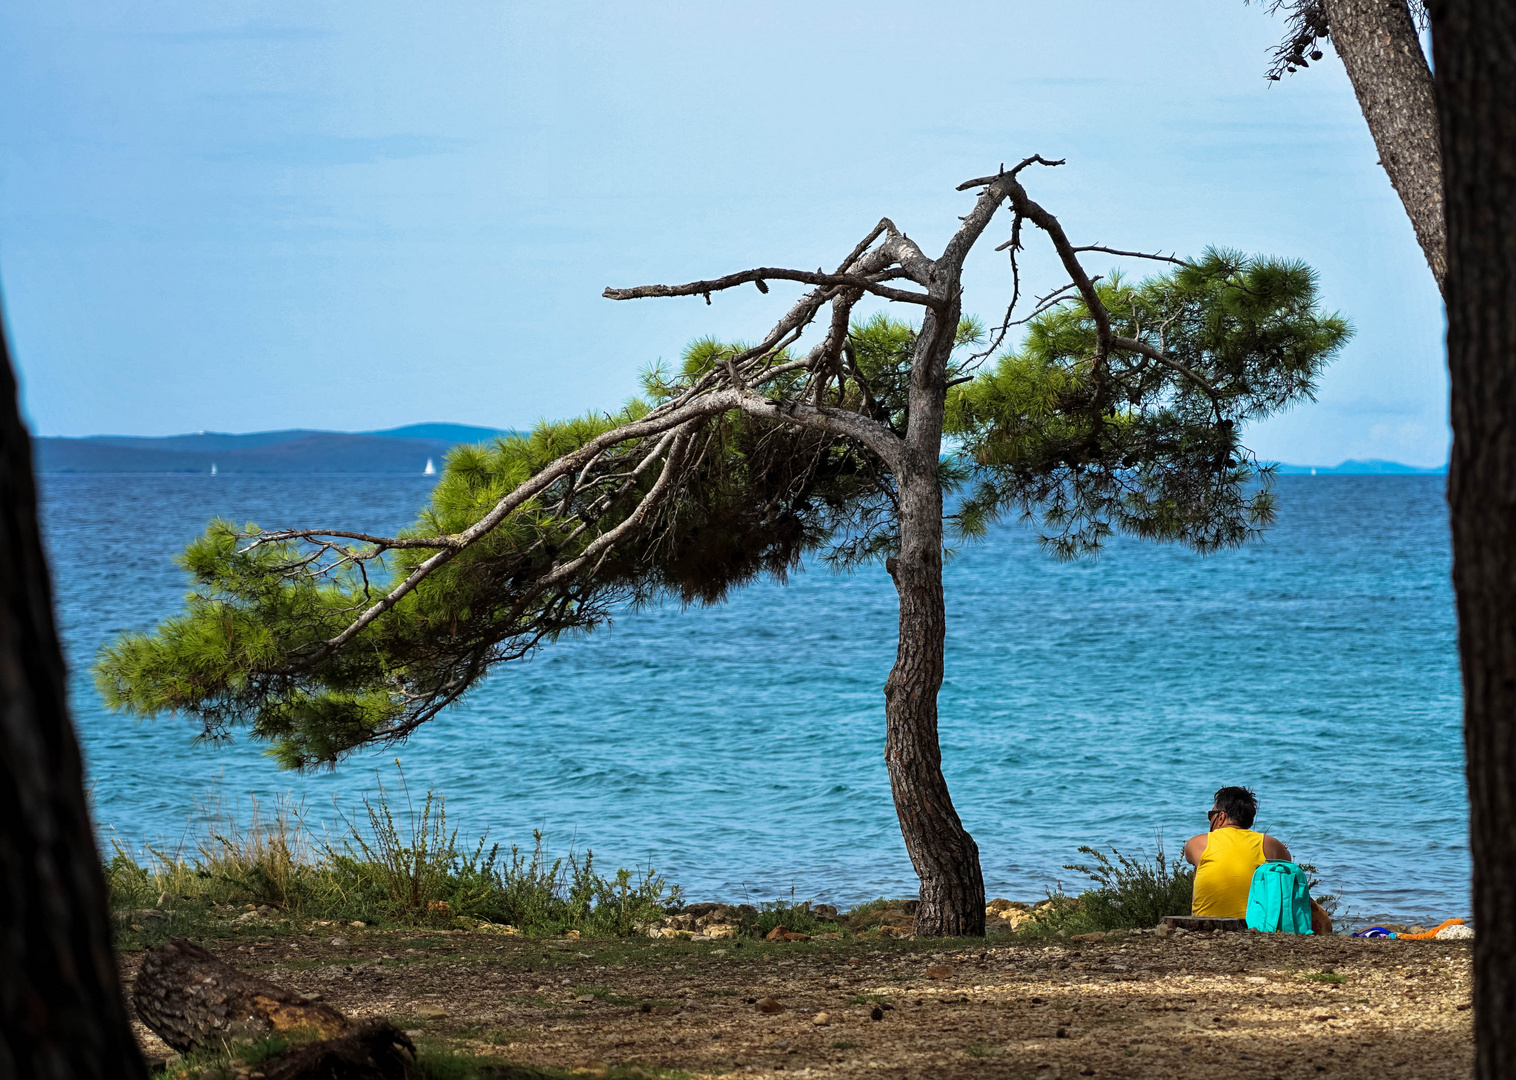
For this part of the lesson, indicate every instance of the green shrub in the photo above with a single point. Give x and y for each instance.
(1132, 892)
(390, 867)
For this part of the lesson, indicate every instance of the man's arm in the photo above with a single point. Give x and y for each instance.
(1273, 849)
(1194, 847)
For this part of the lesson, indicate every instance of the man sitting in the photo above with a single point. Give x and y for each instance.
(1225, 858)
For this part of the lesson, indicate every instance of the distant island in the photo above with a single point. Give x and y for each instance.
(406, 449)
(1369, 467)
(394, 450)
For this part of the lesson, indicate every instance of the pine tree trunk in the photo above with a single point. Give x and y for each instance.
(1382, 54)
(191, 999)
(944, 854)
(61, 1012)
(1475, 52)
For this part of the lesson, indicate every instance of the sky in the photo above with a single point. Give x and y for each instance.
(245, 216)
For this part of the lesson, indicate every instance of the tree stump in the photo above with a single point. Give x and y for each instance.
(188, 998)
(1203, 922)
(376, 1051)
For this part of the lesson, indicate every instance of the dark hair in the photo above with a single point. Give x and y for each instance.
(1239, 804)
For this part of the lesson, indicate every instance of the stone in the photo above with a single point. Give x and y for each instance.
(778, 933)
(769, 1005)
(825, 911)
(1162, 930)
(1094, 936)
(431, 1012)
(1456, 932)
(938, 971)
(876, 1013)
(822, 1019)
(339, 942)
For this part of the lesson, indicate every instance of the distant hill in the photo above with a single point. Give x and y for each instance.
(396, 450)
(1370, 467)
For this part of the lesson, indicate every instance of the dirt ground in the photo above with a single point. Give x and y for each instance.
(1232, 1006)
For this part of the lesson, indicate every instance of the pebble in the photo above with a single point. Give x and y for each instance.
(822, 1019)
(938, 971)
(769, 1005)
(339, 942)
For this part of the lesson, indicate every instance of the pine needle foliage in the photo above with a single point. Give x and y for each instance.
(1084, 443)
(1087, 446)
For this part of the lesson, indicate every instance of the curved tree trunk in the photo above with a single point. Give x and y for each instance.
(1382, 54)
(61, 1012)
(1475, 50)
(944, 854)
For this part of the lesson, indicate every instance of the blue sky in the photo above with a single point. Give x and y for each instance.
(240, 216)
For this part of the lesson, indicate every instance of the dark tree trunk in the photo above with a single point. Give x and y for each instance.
(376, 1051)
(1475, 51)
(191, 999)
(61, 1012)
(1382, 54)
(944, 854)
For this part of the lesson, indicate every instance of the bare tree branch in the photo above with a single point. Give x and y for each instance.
(808, 277)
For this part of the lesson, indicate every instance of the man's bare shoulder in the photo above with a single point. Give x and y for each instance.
(1274, 849)
(1195, 846)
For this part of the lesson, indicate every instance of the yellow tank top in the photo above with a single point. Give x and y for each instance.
(1225, 872)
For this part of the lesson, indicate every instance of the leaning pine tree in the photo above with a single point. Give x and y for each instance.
(1121, 411)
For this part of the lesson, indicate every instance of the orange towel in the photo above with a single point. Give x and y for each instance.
(1430, 933)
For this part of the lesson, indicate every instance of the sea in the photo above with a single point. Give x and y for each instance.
(738, 749)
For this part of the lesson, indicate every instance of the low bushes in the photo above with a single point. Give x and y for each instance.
(388, 867)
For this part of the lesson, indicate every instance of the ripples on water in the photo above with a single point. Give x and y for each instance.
(739, 748)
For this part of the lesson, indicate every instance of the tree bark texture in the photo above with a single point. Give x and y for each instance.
(1474, 44)
(62, 1016)
(943, 853)
(1380, 50)
(189, 999)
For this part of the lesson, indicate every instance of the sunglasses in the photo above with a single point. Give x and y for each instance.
(1212, 815)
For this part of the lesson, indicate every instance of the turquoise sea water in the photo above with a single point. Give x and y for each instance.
(739, 748)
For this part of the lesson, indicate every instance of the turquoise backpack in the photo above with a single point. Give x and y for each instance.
(1279, 900)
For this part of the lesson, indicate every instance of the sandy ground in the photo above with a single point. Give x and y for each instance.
(1222, 1005)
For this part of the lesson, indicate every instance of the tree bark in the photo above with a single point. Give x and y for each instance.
(942, 851)
(189, 999)
(1382, 54)
(1474, 47)
(61, 1012)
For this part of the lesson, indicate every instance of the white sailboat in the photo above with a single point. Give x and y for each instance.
(430, 470)
(213, 468)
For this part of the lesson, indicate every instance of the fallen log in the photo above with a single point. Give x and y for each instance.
(376, 1051)
(189, 999)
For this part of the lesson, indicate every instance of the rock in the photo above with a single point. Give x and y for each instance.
(784, 933)
(769, 1005)
(938, 971)
(825, 911)
(357, 922)
(432, 1012)
(876, 1013)
(1162, 930)
(1455, 932)
(822, 1019)
(339, 942)
(1097, 935)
